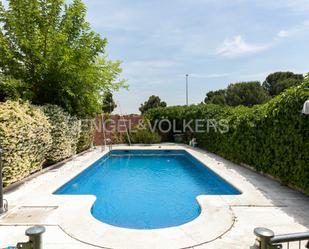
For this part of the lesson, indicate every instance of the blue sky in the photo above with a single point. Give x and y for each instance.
(217, 42)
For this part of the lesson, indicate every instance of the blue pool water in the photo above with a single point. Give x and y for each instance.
(147, 189)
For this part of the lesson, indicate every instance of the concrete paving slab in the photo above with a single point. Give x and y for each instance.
(225, 221)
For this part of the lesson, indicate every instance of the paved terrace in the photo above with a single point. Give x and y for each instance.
(225, 221)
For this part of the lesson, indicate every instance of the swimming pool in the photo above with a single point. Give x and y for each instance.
(147, 189)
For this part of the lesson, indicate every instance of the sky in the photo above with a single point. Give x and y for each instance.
(216, 42)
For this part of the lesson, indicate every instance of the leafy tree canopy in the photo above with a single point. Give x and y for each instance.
(246, 93)
(109, 104)
(50, 46)
(11, 89)
(152, 102)
(275, 83)
(215, 97)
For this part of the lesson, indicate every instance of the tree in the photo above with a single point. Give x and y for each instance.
(50, 46)
(109, 104)
(152, 102)
(216, 97)
(246, 93)
(11, 89)
(275, 83)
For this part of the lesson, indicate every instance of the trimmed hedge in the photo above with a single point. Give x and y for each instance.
(25, 140)
(32, 136)
(65, 132)
(273, 137)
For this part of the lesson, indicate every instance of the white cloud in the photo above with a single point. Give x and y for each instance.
(237, 46)
(294, 30)
(283, 33)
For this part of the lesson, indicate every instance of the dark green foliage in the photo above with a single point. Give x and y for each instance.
(11, 89)
(275, 83)
(216, 97)
(152, 102)
(273, 137)
(243, 93)
(49, 45)
(109, 104)
(246, 93)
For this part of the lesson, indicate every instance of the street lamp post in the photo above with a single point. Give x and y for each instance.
(187, 89)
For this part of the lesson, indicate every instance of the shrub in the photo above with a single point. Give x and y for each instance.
(65, 132)
(272, 138)
(119, 138)
(24, 138)
(136, 136)
(74, 133)
(144, 136)
(86, 135)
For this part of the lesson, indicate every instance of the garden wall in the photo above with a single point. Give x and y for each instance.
(115, 127)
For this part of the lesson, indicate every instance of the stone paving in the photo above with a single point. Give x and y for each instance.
(69, 223)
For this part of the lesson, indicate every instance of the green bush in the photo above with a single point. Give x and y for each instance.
(273, 137)
(119, 138)
(65, 133)
(86, 135)
(31, 136)
(74, 133)
(144, 136)
(24, 138)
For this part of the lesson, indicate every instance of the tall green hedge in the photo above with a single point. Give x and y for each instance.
(25, 140)
(32, 136)
(273, 137)
(65, 132)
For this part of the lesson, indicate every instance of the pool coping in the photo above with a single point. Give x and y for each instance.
(15, 185)
(73, 212)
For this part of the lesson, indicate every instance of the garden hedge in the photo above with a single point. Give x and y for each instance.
(65, 133)
(32, 137)
(25, 140)
(273, 137)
